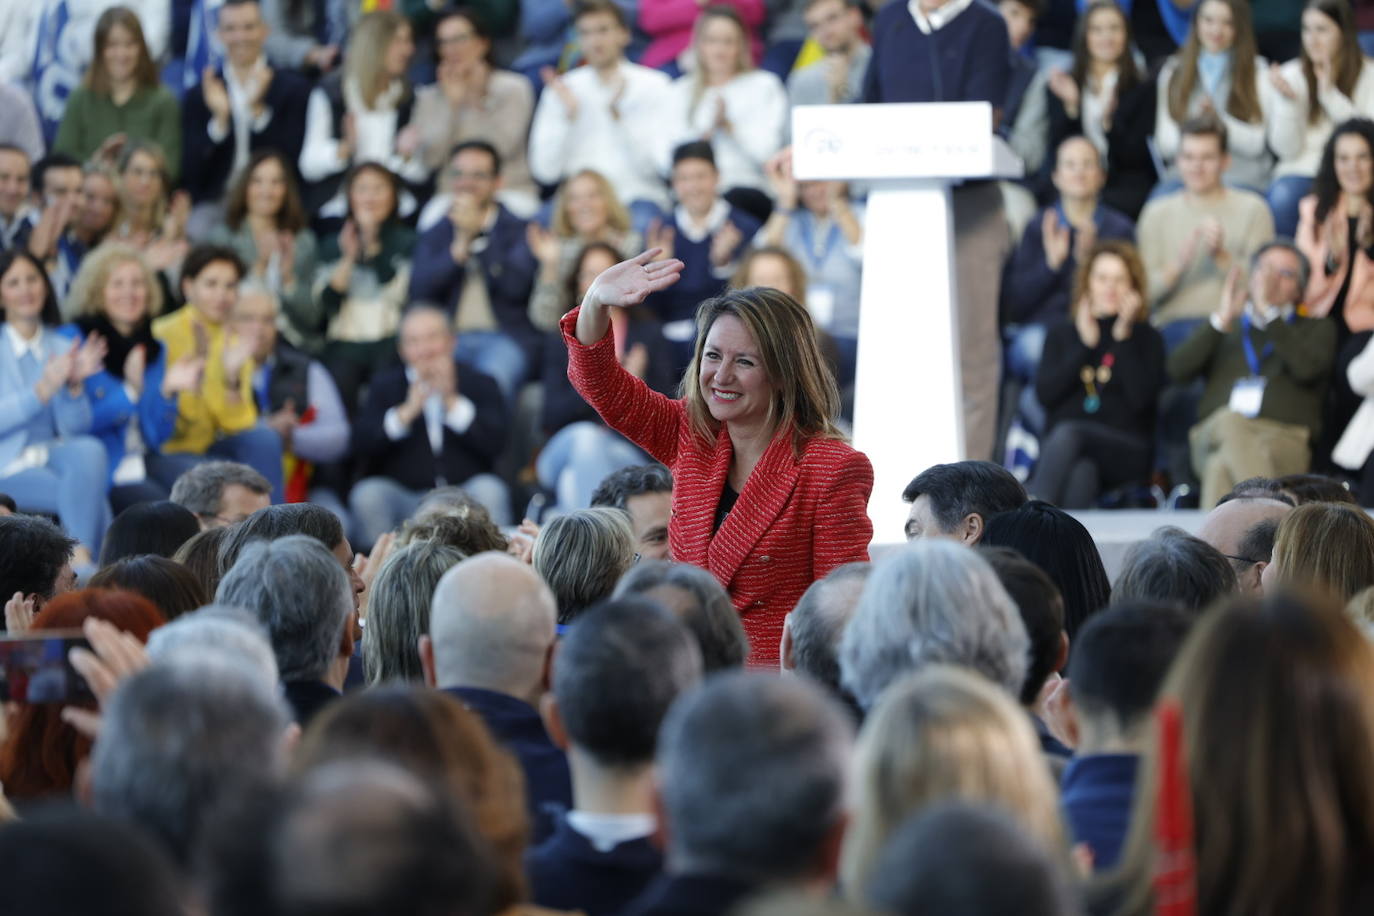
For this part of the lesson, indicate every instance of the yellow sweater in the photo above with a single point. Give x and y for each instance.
(207, 414)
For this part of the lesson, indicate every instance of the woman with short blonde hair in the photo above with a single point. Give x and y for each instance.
(398, 610)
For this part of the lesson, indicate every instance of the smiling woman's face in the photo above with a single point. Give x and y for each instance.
(733, 381)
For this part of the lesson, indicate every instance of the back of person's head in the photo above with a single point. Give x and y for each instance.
(618, 487)
(281, 521)
(960, 498)
(179, 741)
(468, 529)
(699, 601)
(33, 552)
(1326, 548)
(1172, 567)
(200, 488)
(969, 859)
(492, 626)
(617, 671)
(1243, 531)
(398, 610)
(932, 602)
(752, 771)
(945, 734)
(63, 861)
(1258, 488)
(158, 528)
(301, 594)
(173, 588)
(200, 555)
(1042, 611)
(1277, 744)
(812, 632)
(1119, 662)
(40, 756)
(439, 740)
(231, 634)
(446, 497)
(1059, 544)
(582, 555)
(1315, 488)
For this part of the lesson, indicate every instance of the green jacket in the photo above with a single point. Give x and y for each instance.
(151, 114)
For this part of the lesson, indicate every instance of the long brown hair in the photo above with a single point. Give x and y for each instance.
(1128, 75)
(1128, 255)
(1351, 58)
(291, 216)
(1243, 101)
(145, 74)
(1327, 548)
(807, 399)
(1277, 703)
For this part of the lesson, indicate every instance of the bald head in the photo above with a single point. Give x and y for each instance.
(491, 626)
(1243, 531)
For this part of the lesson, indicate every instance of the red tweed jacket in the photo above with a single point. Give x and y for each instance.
(795, 521)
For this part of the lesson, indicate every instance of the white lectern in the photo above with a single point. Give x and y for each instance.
(908, 403)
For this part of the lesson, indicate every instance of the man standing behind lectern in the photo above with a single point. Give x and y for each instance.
(957, 51)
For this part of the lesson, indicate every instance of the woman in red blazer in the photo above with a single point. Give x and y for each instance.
(767, 494)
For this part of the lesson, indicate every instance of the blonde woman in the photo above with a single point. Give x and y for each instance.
(151, 218)
(1327, 548)
(582, 555)
(945, 734)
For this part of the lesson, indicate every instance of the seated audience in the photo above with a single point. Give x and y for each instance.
(398, 610)
(219, 417)
(1106, 98)
(603, 115)
(17, 218)
(48, 462)
(781, 827)
(157, 528)
(1243, 531)
(35, 560)
(1060, 545)
(957, 500)
(491, 635)
(57, 187)
(1024, 119)
(363, 113)
(1284, 684)
(266, 225)
(1190, 239)
(945, 734)
(19, 119)
(1330, 82)
(231, 634)
(1119, 662)
(40, 757)
(581, 555)
(467, 527)
(473, 99)
(811, 634)
(429, 423)
(477, 266)
(1265, 367)
(152, 219)
(1099, 380)
(239, 108)
(221, 493)
(618, 671)
(699, 601)
(363, 280)
(96, 213)
(837, 28)
(670, 25)
(1174, 569)
(303, 36)
(723, 100)
(1301, 489)
(1325, 549)
(932, 602)
(1217, 73)
(645, 492)
(275, 522)
(200, 555)
(120, 100)
(172, 588)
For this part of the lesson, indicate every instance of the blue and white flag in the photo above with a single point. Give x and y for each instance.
(203, 47)
(58, 61)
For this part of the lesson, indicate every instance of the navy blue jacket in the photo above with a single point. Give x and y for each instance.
(1097, 794)
(507, 264)
(698, 281)
(563, 405)
(1034, 294)
(307, 698)
(1130, 166)
(568, 873)
(968, 60)
(690, 895)
(205, 164)
(516, 725)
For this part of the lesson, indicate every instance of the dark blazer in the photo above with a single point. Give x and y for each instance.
(318, 193)
(798, 517)
(690, 895)
(507, 264)
(411, 461)
(206, 165)
(1098, 791)
(307, 698)
(517, 727)
(567, 872)
(1031, 292)
(1130, 167)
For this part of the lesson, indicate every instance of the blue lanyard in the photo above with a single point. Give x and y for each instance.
(1250, 356)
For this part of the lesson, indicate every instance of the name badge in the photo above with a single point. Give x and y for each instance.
(821, 301)
(1247, 396)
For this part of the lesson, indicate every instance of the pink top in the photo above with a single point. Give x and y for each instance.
(669, 26)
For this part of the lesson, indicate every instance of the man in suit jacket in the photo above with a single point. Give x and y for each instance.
(243, 107)
(491, 636)
(478, 266)
(779, 826)
(430, 423)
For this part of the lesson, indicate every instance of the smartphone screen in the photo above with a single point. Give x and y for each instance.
(34, 668)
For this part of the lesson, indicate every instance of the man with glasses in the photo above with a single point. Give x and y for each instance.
(221, 493)
(478, 267)
(1243, 530)
(837, 78)
(1265, 369)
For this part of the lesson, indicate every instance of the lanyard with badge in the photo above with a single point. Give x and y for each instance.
(1247, 394)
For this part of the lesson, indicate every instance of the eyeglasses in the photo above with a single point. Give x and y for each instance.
(1251, 560)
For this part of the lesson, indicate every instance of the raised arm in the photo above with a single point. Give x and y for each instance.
(627, 283)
